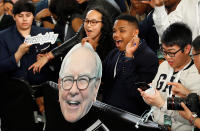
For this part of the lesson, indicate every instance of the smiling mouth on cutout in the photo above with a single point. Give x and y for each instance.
(73, 103)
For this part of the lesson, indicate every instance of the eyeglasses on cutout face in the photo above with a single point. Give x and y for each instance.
(82, 82)
(91, 22)
(171, 54)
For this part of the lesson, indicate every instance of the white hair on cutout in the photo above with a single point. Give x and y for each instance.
(88, 46)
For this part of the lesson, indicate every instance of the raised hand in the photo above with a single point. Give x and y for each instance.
(89, 40)
(23, 49)
(132, 46)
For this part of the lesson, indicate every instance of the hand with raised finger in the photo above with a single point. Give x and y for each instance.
(179, 89)
(132, 46)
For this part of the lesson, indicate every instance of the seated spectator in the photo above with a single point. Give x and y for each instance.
(15, 55)
(68, 17)
(180, 90)
(42, 4)
(63, 17)
(171, 11)
(139, 9)
(178, 68)
(146, 25)
(44, 19)
(5, 20)
(132, 61)
(195, 52)
(8, 7)
(97, 30)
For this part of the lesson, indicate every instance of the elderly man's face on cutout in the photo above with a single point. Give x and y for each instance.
(75, 102)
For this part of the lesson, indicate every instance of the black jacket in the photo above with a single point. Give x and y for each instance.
(120, 91)
(149, 33)
(6, 21)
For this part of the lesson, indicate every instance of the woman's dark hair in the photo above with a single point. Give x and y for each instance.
(177, 34)
(23, 5)
(196, 44)
(63, 9)
(106, 43)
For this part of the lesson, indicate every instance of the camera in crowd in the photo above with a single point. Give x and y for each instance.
(191, 101)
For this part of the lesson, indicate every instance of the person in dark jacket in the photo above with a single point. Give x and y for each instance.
(132, 61)
(16, 55)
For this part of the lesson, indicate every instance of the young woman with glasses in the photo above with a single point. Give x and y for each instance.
(97, 31)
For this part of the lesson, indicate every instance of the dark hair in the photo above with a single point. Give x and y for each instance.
(177, 34)
(63, 9)
(23, 5)
(106, 43)
(129, 18)
(196, 44)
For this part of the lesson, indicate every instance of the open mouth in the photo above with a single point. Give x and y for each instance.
(170, 62)
(118, 42)
(89, 31)
(73, 103)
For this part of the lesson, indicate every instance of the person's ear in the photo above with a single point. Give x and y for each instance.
(187, 49)
(96, 89)
(136, 32)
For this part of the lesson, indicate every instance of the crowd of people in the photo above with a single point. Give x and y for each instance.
(116, 44)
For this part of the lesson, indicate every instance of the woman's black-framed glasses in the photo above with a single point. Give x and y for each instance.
(91, 22)
(82, 82)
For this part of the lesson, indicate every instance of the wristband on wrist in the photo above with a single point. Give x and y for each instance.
(48, 57)
(193, 118)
